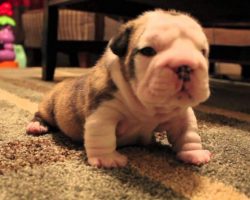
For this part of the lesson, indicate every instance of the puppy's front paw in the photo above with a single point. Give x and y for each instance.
(111, 160)
(196, 157)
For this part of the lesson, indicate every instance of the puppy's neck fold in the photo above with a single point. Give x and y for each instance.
(125, 92)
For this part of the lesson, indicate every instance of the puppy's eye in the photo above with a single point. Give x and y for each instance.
(204, 52)
(147, 51)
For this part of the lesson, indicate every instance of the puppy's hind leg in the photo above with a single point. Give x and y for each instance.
(44, 118)
(37, 126)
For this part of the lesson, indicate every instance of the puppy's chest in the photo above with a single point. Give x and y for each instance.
(133, 131)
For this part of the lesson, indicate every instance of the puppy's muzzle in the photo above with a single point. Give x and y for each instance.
(184, 72)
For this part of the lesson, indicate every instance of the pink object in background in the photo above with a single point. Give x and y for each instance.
(6, 35)
(8, 46)
(6, 40)
(7, 55)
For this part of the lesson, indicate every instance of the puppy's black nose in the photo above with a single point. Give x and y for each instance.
(184, 72)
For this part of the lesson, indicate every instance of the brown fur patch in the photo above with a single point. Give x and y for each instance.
(78, 99)
(101, 88)
(131, 66)
(47, 109)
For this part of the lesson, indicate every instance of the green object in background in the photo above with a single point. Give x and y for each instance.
(5, 20)
(21, 58)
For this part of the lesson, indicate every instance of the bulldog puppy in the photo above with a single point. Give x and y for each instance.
(148, 79)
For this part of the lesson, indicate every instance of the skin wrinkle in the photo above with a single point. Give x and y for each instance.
(74, 109)
(79, 98)
(82, 99)
(103, 95)
(123, 69)
(51, 111)
(131, 65)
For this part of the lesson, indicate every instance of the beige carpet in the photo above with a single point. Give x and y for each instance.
(51, 167)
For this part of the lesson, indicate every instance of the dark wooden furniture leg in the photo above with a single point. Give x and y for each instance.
(49, 47)
(73, 58)
(245, 71)
(211, 68)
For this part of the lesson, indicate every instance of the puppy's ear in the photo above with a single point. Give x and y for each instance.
(119, 44)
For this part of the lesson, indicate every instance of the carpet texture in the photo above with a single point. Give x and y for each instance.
(53, 167)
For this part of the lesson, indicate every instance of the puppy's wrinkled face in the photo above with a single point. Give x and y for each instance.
(165, 59)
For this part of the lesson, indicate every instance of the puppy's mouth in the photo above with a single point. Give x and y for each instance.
(179, 85)
(184, 75)
(184, 92)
